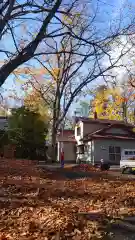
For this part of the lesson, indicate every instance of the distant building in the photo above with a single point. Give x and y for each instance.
(96, 139)
(102, 139)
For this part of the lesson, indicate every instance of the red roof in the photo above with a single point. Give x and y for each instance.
(66, 132)
(69, 139)
(67, 135)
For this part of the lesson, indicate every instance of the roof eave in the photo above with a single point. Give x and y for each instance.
(108, 137)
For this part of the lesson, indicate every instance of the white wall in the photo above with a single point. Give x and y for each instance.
(78, 138)
(86, 128)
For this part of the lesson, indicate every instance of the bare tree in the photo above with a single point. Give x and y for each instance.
(52, 20)
(30, 13)
(74, 48)
(67, 78)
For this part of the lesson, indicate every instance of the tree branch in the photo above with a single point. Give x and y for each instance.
(28, 52)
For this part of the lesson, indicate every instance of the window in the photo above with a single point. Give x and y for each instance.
(129, 152)
(114, 154)
(78, 131)
(117, 149)
(86, 148)
(111, 149)
(80, 149)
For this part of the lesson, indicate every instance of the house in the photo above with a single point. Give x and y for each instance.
(66, 142)
(98, 139)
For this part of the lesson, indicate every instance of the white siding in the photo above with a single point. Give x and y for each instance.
(101, 147)
(81, 125)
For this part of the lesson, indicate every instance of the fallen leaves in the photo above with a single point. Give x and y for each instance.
(52, 207)
(85, 168)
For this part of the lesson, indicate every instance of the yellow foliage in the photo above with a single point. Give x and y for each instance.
(77, 15)
(34, 102)
(55, 73)
(105, 108)
(70, 19)
(67, 19)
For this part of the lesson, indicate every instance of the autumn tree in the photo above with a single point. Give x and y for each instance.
(17, 18)
(27, 131)
(124, 99)
(65, 77)
(128, 87)
(69, 45)
(107, 103)
(34, 102)
(28, 29)
(114, 103)
(63, 82)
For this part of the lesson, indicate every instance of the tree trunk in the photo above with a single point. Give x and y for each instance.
(56, 113)
(124, 112)
(53, 143)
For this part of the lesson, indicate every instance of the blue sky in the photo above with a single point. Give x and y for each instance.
(112, 12)
(108, 11)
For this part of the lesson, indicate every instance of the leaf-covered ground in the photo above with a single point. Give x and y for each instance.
(36, 204)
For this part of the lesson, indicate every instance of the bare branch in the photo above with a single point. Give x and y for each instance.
(28, 52)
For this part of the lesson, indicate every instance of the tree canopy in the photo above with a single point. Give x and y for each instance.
(27, 130)
(29, 29)
(114, 103)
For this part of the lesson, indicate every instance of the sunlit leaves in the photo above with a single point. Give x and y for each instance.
(71, 18)
(107, 103)
(55, 73)
(35, 102)
(67, 19)
(114, 104)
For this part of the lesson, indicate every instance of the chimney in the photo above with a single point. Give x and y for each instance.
(95, 115)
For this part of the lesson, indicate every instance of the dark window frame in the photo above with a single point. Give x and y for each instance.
(114, 153)
(78, 131)
(129, 153)
(80, 149)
